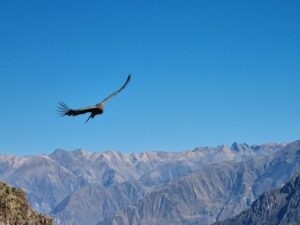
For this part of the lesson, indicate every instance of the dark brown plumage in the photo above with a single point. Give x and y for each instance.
(95, 110)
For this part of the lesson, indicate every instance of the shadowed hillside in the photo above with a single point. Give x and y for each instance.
(277, 207)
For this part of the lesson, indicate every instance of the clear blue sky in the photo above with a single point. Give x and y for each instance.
(205, 72)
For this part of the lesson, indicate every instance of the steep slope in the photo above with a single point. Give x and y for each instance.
(214, 192)
(277, 207)
(96, 203)
(14, 208)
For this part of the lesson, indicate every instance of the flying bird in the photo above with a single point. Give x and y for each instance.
(95, 110)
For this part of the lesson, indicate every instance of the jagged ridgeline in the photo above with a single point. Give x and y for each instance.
(15, 210)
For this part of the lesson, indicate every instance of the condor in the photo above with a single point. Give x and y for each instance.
(95, 110)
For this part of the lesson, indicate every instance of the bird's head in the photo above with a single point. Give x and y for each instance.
(100, 105)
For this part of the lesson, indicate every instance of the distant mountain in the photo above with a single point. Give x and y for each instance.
(14, 208)
(214, 192)
(206, 184)
(277, 207)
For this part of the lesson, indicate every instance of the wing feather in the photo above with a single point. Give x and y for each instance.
(119, 90)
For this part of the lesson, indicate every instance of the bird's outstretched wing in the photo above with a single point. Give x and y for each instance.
(64, 110)
(116, 92)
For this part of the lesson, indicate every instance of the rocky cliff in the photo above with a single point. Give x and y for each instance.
(14, 208)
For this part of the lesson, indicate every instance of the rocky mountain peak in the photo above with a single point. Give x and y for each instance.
(240, 147)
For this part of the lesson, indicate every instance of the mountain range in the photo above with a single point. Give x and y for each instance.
(199, 186)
